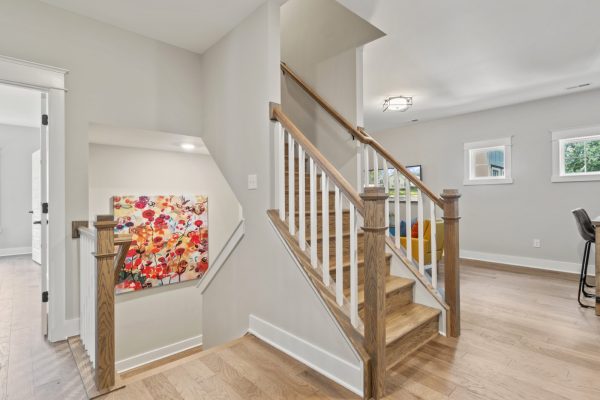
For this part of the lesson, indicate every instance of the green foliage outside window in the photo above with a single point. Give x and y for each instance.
(582, 157)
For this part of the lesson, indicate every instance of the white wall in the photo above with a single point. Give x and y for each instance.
(499, 222)
(116, 78)
(17, 143)
(241, 76)
(159, 317)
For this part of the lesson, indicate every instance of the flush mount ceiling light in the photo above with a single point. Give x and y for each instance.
(397, 103)
(187, 146)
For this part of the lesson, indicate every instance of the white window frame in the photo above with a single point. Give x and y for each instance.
(571, 135)
(502, 143)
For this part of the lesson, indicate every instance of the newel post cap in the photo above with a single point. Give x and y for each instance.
(374, 193)
(450, 194)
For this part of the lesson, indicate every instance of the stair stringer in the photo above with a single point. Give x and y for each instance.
(348, 334)
(423, 293)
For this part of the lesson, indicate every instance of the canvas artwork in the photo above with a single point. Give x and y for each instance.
(170, 240)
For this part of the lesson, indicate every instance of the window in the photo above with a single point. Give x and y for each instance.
(576, 155)
(414, 169)
(488, 162)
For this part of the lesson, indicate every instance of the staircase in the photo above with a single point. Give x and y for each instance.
(408, 325)
(341, 240)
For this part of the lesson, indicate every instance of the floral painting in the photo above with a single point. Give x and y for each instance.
(170, 240)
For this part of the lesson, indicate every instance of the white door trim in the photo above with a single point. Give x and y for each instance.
(52, 81)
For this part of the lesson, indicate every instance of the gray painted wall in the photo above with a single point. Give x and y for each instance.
(17, 143)
(116, 78)
(501, 221)
(164, 172)
(241, 76)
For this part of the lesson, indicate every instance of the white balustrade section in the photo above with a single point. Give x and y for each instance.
(308, 166)
(408, 203)
(386, 186)
(87, 291)
(433, 244)
(420, 237)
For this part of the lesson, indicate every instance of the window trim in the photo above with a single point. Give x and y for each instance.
(504, 143)
(571, 135)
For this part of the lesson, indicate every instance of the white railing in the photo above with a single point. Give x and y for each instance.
(323, 182)
(87, 291)
(423, 249)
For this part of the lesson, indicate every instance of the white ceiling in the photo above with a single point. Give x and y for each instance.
(194, 25)
(144, 139)
(461, 56)
(19, 106)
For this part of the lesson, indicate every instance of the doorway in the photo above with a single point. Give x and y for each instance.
(47, 83)
(23, 180)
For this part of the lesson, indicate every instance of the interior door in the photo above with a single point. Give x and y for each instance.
(36, 207)
(43, 205)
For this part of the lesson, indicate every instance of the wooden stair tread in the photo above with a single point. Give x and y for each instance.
(392, 284)
(359, 261)
(401, 322)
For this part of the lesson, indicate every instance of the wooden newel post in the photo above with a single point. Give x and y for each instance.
(375, 224)
(451, 259)
(105, 302)
(596, 223)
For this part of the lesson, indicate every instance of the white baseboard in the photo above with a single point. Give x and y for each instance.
(156, 354)
(71, 327)
(528, 262)
(15, 251)
(340, 371)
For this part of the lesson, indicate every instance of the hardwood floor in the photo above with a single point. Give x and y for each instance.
(30, 367)
(523, 337)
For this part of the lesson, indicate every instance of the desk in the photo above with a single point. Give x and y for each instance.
(596, 223)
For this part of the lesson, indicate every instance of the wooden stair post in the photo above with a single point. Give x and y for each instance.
(105, 302)
(451, 259)
(374, 198)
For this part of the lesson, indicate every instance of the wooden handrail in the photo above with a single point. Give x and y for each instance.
(332, 173)
(360, 135)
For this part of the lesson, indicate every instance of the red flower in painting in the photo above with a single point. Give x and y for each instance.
(158, 239)
(140, 204)
(198, 223)
(148, 214)
(179, 251)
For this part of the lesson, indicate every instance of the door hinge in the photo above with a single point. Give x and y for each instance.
(44, 208)
(45, 119)
(45, 297)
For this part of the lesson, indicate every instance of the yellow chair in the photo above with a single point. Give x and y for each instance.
(439, 241)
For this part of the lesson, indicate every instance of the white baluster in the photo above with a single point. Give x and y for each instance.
(386, 186)
(359, 166)
(397, 207)
(408, 198)
(375, 167)
(433, 243)
(291, 187)
(313, 212)
(325, 230)
(301, 199)
(367, 167)
(339, 254)
(353, 267)
(281, 169)
(421, 239)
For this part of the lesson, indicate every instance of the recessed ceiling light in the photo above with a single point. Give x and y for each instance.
(397, 103)
(187, 146)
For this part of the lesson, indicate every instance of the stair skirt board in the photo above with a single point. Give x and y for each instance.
(338, 370)
(352, 382)
(421, 293)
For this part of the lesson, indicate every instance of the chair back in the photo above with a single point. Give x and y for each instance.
(584, 224)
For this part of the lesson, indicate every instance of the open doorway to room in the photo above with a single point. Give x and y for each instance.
(23, 203)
